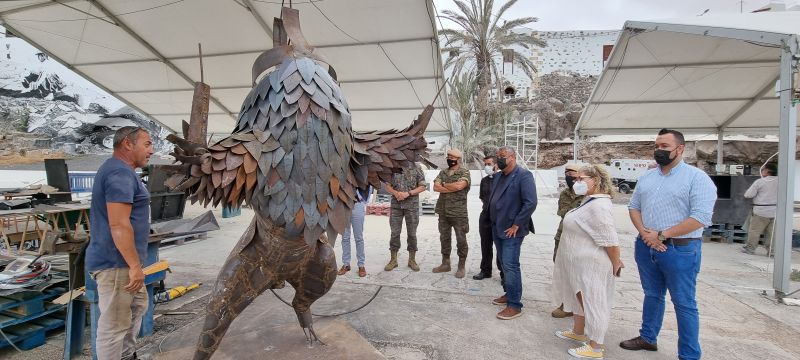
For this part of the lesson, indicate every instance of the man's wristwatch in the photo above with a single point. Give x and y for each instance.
(661, 237)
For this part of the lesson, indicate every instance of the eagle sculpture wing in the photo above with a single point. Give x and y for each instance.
(225, 172)
(377, 153)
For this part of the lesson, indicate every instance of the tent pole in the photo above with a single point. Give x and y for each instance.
(720, 155)
(576, 146)
(786, 165)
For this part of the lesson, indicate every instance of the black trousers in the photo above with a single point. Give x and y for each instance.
(487, 244)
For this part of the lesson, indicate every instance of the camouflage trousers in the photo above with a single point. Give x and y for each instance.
(396, 224)
(461, 227)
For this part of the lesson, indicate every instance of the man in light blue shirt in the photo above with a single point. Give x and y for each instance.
(670, 207)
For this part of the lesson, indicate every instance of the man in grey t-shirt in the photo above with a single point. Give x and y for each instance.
(764, 193)
(120, 227)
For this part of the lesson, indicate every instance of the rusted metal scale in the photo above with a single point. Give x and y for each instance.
(198, 121)
(294, 158)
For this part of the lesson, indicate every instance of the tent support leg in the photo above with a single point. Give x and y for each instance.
(786, 164)
(720, 153)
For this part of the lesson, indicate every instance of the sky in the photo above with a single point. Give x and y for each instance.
(610, 14)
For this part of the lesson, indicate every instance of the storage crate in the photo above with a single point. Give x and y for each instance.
(27, 317)
(427, 208)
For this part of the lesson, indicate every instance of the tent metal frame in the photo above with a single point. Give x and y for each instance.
(252, 52)
(787, 129)
(249, 6)
(155, 52)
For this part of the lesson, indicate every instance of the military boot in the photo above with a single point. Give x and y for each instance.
(392, 263)
(445, 267)
(462, 261)
(412, 261)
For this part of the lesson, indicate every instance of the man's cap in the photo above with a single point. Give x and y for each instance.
(454, 152)
(572, 167)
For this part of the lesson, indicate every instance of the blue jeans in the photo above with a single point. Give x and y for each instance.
(674, 270)
(357, 222)
(508, 251)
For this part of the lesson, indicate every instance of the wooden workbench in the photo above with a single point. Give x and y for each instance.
(17, 224)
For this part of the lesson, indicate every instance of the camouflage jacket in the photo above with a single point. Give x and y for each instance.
(405, 181)
(453, 204)
(567, 201)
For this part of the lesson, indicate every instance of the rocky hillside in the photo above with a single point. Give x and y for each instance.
(66, 126)
(702, 153)
(46, 108)
(558, 104)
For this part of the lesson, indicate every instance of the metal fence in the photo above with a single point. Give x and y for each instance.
(81, 182)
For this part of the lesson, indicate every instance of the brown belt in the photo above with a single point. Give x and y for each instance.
(680, 242)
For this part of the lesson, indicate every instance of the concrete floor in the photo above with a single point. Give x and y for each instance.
(436, 316)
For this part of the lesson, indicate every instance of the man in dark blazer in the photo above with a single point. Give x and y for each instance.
(511, 205)
(485, 224)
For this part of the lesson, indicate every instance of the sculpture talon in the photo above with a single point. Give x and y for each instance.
(312, 337)
(295, 160)
(307, 324)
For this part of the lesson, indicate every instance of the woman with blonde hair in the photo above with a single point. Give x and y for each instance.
(587, 263)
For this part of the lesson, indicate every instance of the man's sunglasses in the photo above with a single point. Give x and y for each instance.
(131, 131)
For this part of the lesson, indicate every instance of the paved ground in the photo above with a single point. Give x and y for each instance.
(435, 316)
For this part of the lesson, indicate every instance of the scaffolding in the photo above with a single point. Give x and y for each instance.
(522, 133)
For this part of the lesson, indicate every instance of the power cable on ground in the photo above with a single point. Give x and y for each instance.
(380, 287)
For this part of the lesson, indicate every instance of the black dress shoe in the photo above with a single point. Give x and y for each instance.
(481, 276)
(638, 343)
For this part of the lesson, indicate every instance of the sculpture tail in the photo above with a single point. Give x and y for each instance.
(240, 281)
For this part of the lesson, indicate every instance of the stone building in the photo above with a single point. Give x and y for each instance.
(576, 52)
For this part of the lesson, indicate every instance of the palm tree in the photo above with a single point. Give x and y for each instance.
(481, 40)
(466, 134)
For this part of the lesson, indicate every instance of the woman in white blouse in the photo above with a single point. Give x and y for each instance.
(587, 263)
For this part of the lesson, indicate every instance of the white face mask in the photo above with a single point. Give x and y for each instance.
(489, 170)
(580, 188)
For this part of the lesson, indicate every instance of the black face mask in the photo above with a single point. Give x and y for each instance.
(451, 163)
(501, 163)
(570, 180)
(662, 157)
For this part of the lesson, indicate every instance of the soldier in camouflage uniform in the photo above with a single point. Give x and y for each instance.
(567, 201)
(453, 186)
(405, 189)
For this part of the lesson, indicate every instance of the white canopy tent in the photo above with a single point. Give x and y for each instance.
(713, 75)
(144, 52)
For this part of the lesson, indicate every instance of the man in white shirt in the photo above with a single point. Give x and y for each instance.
(764, 193)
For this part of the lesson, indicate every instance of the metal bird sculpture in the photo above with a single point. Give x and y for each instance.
(295, 160)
